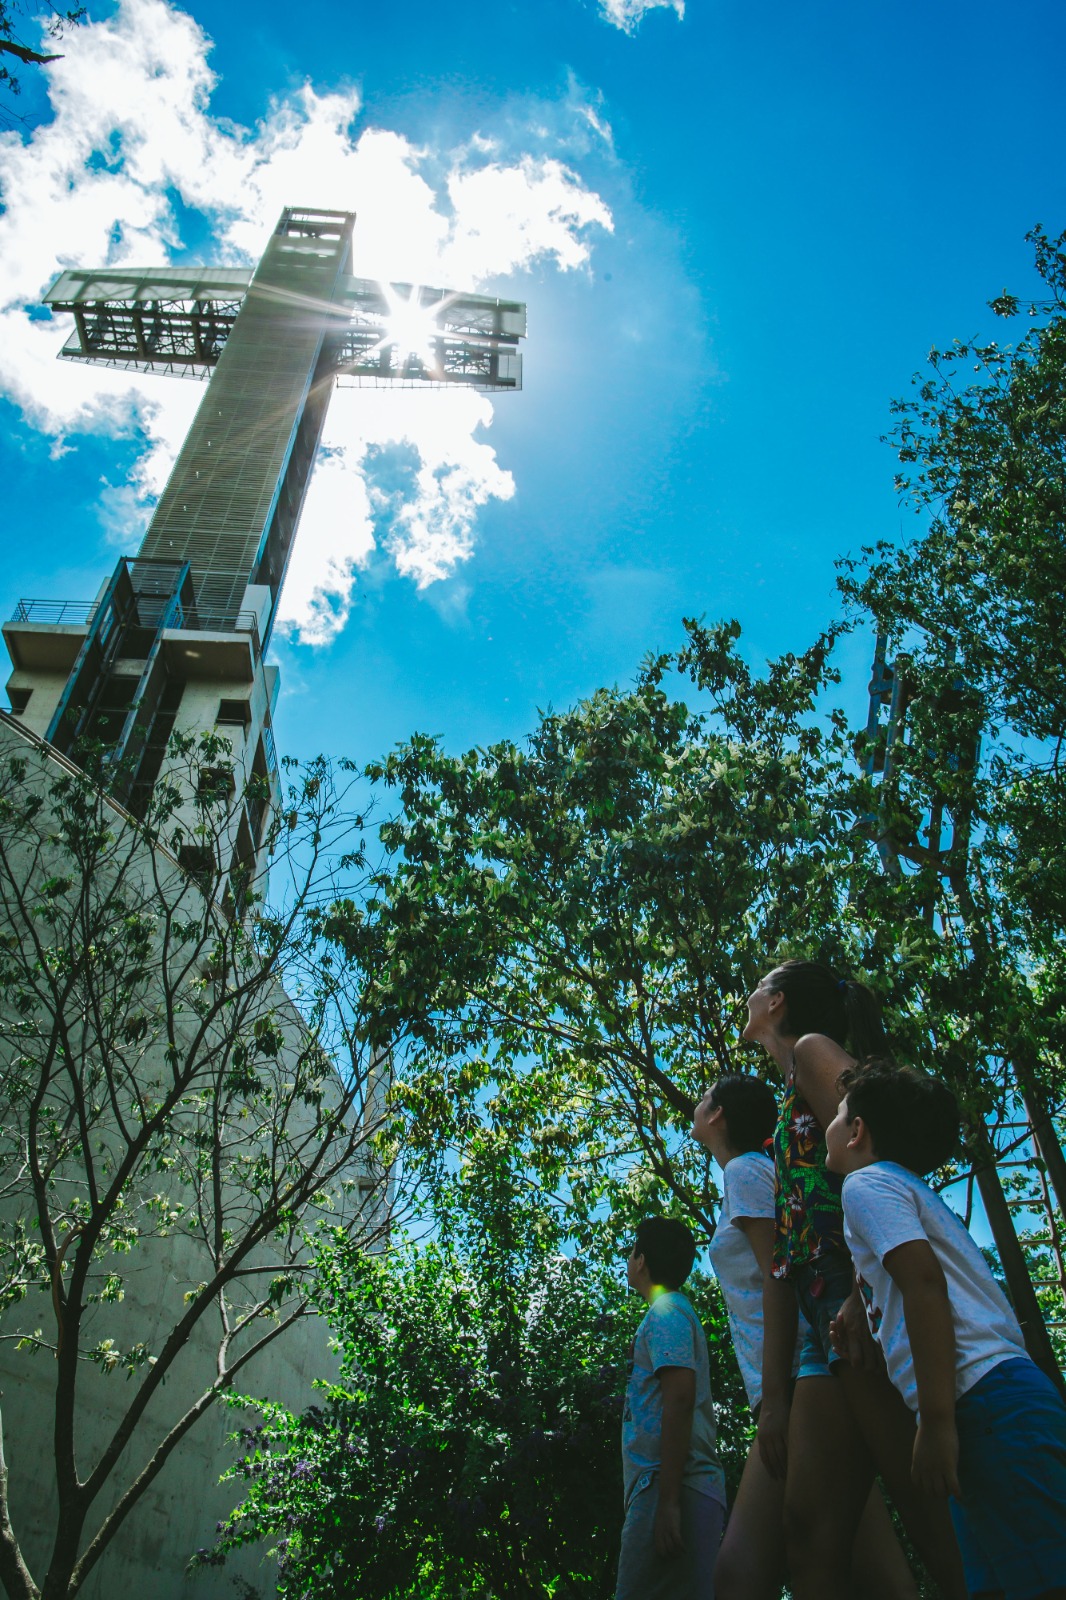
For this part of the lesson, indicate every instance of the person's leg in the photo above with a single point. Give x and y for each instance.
(702, 1517)
(879, 1569)
(751, 1562)
(645, 1575)
(888, 1429)
(638, 1545)
(830, 1474)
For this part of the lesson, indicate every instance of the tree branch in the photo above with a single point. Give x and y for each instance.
(31, 57)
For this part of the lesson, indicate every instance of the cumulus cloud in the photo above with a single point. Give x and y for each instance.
(627, 14)
(133, 150)
(427, 528)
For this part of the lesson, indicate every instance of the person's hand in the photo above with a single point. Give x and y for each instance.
(935, 1462)
(773, 1437)
(668, 1528)
(850, 1335)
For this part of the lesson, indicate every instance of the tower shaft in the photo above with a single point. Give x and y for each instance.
(232, 501)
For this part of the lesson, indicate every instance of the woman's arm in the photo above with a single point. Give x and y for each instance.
(759, 1232)
(819, 1063)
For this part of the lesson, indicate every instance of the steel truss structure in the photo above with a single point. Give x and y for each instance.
(200, 598)
(177, 321)
(274, 341)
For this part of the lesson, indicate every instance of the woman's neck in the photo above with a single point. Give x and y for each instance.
(781, 1046)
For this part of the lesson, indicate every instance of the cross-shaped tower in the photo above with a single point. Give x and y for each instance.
(175, 638)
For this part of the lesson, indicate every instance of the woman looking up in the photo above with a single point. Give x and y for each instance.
(826, 1442)
(733, 1121)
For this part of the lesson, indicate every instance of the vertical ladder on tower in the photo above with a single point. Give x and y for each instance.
(1029, 1196)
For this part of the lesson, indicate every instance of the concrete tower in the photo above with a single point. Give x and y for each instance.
(174, 640)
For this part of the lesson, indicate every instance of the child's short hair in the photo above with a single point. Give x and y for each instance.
(749, 1107)
(668, 1248)
(913, 1118)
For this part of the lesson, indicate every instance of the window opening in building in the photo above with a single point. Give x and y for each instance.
(234, 713)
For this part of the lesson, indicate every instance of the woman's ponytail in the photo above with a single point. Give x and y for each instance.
(818, 1001)
(866, 1033)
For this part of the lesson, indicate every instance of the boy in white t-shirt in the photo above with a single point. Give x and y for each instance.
(991, 1426)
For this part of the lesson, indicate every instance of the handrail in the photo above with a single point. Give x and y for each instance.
(78, 613)
(196, 621)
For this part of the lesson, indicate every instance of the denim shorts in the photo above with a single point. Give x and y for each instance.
(1011, 1524)
(822, 1285)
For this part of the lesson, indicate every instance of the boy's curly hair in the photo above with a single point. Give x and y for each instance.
(913, 1117)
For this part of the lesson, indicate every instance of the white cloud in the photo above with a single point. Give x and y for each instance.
(428, 533)
(506, 216)
(132, 127)
(626, 14)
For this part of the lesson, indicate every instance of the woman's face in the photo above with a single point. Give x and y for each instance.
(764, 1009)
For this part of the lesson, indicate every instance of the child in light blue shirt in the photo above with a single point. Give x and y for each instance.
(674, 1486)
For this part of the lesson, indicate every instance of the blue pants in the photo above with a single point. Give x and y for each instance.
(1011, 1524)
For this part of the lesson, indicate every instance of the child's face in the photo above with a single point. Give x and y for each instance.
(840, 1154)
(701, 1118)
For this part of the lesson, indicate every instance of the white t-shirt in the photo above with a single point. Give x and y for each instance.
(885, 1206)
(671, 1335)
(748, 1184)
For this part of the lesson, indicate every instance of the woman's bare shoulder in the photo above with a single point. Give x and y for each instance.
(817, 1052)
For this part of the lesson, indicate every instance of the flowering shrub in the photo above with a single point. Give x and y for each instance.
(471, 1445)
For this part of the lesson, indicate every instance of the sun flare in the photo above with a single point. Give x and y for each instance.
(410, 326)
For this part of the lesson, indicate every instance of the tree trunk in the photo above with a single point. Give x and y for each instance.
(14, 1573)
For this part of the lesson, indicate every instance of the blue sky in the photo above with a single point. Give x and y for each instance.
(800, 202)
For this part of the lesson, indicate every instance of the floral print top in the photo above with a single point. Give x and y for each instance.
(808, 1214)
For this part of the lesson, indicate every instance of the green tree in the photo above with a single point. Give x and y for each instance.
(974, 792)
(174, 1127)
(471, 1445)
(974, 598)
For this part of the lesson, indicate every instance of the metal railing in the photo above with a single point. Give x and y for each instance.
(81, 612)
(74, 613)
(195, 620)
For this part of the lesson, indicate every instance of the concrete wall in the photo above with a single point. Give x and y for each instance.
(179, 1512)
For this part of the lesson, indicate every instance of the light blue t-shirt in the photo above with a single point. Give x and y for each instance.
(670, 1335)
